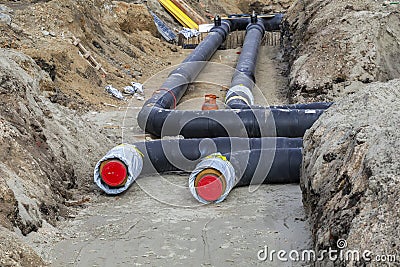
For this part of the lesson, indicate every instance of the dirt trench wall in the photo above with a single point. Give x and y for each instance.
(264, 6)
(335, 46)
(46, 150)
(121, 36)
(351, 173)
(349, 52)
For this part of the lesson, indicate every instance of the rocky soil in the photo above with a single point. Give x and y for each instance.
(336, 46)
(209, 8)
(351, 173)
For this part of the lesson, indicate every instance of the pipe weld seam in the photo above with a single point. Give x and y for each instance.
(172, 93)
(240, 90)
(258, 26)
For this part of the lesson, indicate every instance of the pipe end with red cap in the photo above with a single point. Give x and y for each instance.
(212, 179)
(118, 169)
(209, 184)
(113, 173)
(210, 187)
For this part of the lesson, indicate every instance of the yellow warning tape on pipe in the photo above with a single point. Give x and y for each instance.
(179, 15)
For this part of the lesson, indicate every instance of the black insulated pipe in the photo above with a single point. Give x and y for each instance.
(163, 156)
(177, 82)
(240, 96)
(217, 174)
(285, 168)
(176, 155)
(228, 123)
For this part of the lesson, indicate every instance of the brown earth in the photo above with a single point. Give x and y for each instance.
(333, 46)
(121, 37)
(46, 150)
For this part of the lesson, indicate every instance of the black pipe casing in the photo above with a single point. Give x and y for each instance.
(243, 81)
(249, 123)
(267, 166)
(184, 154)
(177, 82)
(273, 24)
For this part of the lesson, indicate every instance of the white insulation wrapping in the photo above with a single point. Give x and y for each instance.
(220, 163)
(131, 157)
(249, 99)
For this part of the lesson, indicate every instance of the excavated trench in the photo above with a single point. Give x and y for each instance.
(149, 224)
(331, 56)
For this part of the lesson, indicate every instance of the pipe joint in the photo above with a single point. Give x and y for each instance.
(241, 91)
(257, 25)
(223, 29)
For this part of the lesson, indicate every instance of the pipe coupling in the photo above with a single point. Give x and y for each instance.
(241, 91)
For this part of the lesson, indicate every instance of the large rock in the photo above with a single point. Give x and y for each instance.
(331, 44)
(351, 172)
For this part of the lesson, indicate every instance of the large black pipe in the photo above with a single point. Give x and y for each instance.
(246, 66)
(240, 96)
(173, 155)
(217, 174)
(176, 155)
(177, 82)
(223, 123)
(285, 168)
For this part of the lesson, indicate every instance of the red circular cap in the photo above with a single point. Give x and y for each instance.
(209, 188)
(114, 173)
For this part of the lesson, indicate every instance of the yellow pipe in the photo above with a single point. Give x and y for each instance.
(179, 15)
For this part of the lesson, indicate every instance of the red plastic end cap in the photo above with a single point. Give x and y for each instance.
(114, 173)
(209, 188)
